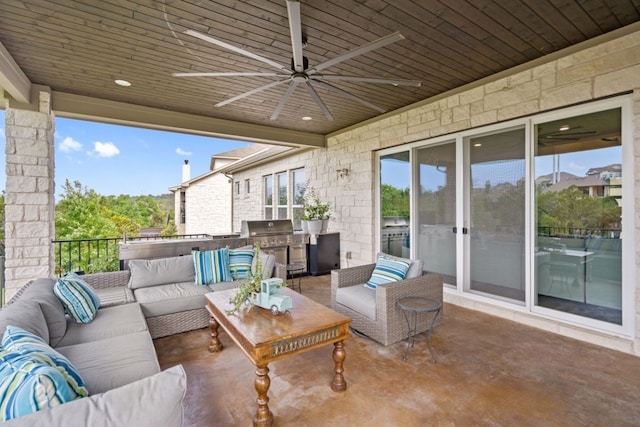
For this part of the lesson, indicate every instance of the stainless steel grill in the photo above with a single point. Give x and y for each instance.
(277, 237)
(394, 236)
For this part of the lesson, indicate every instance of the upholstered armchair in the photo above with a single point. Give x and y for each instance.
(374, 312)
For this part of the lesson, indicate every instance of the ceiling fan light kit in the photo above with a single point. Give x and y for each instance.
(300, 73)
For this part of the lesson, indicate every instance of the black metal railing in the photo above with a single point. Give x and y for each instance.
(99, 254)
(579, 232)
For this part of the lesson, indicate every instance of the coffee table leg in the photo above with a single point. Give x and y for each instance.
(215, 345)
(263, 417)
(338, 384)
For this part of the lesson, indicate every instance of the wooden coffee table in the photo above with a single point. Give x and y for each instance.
(264, 337)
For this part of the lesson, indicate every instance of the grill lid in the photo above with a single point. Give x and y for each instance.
(395, 221)
(266, 227)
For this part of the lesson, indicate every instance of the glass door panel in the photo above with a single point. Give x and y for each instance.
(578, 196)
(437, 209)
(395, 184)
(495, 214)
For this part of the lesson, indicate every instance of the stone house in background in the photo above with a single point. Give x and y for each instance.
(204, 204)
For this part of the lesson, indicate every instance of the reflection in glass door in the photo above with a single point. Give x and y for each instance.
(578, 191)
(495, 214)
(395, 180)
(437, 209)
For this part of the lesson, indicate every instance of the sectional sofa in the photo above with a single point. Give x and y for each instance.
(113, 354)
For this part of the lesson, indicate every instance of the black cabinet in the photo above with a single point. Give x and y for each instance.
(324, 253)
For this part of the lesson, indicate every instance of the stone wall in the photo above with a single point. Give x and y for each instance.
(29, 192)
(208, 205)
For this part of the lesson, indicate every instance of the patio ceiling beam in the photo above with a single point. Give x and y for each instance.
(12, 79)
(101, 110)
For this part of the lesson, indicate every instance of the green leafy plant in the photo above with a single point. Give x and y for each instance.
(314, 209)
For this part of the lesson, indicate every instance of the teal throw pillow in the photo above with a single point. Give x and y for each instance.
(28, 385)
(212, 266)
(23, 344)
(387, 271)
(240, 260)
(79, 299)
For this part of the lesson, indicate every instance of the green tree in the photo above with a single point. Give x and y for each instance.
(394, 201)
(572, 208)
(82, 213)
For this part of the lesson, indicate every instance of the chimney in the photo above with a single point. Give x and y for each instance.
(186, 171)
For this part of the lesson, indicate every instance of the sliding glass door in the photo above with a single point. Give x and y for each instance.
(495, 214)
(578, 197)
(437, 209)
(529, 213)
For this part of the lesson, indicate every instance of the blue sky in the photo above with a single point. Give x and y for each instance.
(115, 160)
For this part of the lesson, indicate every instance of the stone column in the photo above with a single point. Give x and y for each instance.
(30, 190)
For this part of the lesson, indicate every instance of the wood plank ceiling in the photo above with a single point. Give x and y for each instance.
(80, 47)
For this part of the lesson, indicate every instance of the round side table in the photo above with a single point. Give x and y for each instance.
(293, 271)
(411, 307)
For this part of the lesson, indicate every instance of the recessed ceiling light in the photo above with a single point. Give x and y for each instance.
(124, 83)
(306, 118)
(477, 144)
(564, 127)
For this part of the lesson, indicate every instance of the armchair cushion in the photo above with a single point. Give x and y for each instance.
(387, 270)
(358, 298)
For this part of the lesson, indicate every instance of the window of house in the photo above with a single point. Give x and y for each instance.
(237, 188)
(268, 197)
(297, 198)
(283, 195)
(247, 186)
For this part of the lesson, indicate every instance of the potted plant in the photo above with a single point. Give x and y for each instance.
(316, 213)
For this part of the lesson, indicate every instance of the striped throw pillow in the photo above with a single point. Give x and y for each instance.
(24, 344)
(27, 385)
(240, 260)
(212, 266)
(387, 271)
(79, 299)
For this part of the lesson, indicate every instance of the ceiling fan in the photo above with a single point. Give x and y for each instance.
(300, 73)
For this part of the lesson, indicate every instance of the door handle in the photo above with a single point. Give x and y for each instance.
(455, 230)
(464, 230)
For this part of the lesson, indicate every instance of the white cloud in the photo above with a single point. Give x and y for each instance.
(69, 144)
(105, 149)
(182, 152)
(2, 132)
(576, 166)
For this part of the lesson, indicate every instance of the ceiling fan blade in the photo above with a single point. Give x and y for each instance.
(395, 82)
(251, 92)
(391, 38)
(292, 85)
(318, 100)
(295, 27)
(236, 49)
(349, 95)
(228, 75)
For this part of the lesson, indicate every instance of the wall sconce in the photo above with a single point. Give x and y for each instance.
(342, 172)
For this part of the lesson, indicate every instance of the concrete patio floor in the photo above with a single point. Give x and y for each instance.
(489, 372)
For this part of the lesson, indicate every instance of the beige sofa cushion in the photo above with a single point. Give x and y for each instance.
(160, 271)
(25, 314)
(109, 322)
(171, 298)
(152, 401)
(113, 362)
(41, 290)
